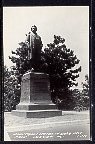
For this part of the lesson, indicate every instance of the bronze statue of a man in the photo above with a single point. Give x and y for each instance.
(35, 45)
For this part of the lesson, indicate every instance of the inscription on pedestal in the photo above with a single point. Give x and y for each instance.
(35, 88)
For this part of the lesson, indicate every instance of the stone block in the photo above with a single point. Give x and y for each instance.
(36, 106)
(37, 113)
(35, 88)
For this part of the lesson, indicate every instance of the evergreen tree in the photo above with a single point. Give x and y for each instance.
(11, 90)
(78, 99)
(20, 59)
(85, 92)
(59, 63)
(81, 97)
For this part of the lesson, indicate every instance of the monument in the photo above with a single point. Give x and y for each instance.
(35, 101)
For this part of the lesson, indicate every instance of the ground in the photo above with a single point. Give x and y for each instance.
(71, 125)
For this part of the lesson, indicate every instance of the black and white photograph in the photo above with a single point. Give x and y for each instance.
(46, 73)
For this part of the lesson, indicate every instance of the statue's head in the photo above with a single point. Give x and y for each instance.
(34, 29)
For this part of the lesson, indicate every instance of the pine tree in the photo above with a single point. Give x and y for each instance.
(11, 90)
(85, 92)
(81, 97)
(59, 63)
(20, 59)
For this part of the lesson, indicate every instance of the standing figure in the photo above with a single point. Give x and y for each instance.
(35, 45)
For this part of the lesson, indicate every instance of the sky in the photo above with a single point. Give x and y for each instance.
(70, 22)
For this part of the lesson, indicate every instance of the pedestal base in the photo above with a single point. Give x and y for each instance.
(36, 106)
(37, 113)
(35, 101)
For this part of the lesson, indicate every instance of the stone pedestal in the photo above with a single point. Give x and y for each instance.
(35, 88)
(35, 98)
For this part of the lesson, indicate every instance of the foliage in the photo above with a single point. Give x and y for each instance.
(11, 90)
(20, 59)
(64, 100)
(85, 92)
(77, 96)
(59, 62)
(81, 98)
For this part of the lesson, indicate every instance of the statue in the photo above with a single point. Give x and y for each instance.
(34, 43)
